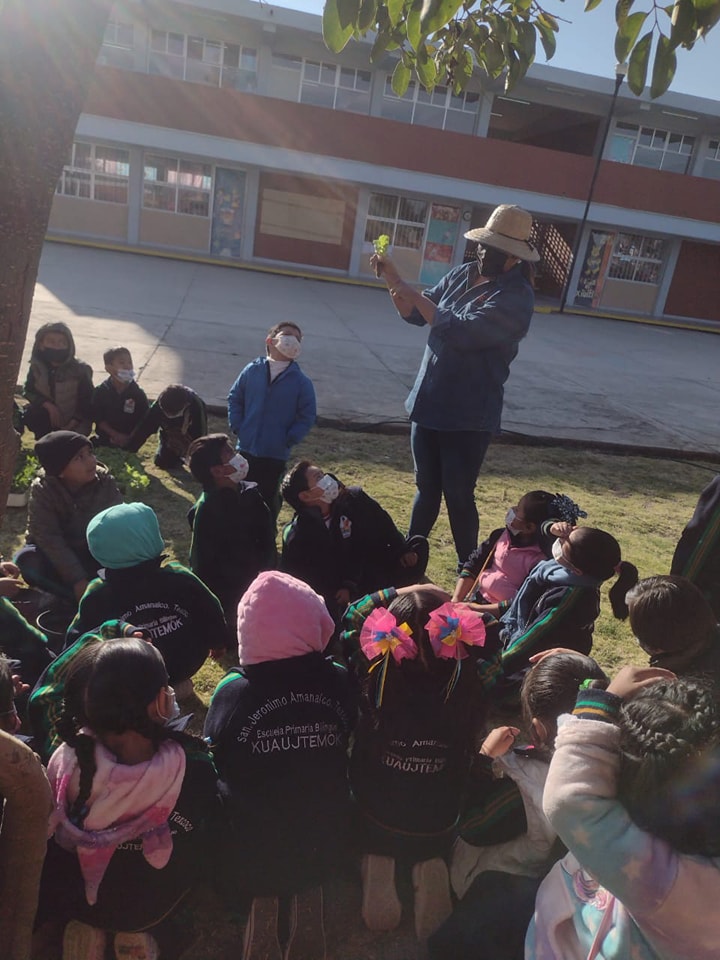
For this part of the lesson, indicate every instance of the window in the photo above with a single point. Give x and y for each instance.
(176, 185)
(636, 258)
(648, 147)
(440, 109)
(330, 85)
(200, 60)
(401, 218)
(117, 46)
(96, 172)
(711, 164)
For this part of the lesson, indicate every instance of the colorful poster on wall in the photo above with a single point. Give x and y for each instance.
(227, 213)
(439, 242)
(592, 276)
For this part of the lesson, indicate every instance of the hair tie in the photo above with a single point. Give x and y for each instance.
(451, 629)
(566, 508)
(382, 636)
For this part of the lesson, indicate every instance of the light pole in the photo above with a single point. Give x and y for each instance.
(620, 71)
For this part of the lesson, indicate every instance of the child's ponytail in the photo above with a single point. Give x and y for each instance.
(627, 578)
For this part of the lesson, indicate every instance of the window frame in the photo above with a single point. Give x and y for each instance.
(336, 86)
(224, 69)
(417, 91)
(391, 224)
(176, 185)
(639, 261)
(92, 175)
(622, 130)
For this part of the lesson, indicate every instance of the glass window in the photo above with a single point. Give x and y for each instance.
(401, 218)
(96, 172)
(637, 258)
(648, 147)
(176, 185)
(285, 62)
(439, 109)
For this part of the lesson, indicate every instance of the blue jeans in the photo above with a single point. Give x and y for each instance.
(447, 464)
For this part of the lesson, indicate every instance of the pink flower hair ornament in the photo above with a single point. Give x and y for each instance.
(452, 628)
(382, 636)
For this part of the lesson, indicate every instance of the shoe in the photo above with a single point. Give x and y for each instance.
(306, 940)
(261, 931)
(433, 905)
(381, 907)
(136, 946)
(83, 942)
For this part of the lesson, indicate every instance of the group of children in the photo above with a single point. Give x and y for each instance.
(469, 741)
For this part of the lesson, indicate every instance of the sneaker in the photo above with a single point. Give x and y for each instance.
(433, 905)
(136, 946)
(261, 931)
(83, 942)
(306, 940)
(381, 907)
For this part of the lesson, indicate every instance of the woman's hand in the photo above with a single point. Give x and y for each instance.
(385, 268)
(631, 680)
(561, 530)
(499, 741)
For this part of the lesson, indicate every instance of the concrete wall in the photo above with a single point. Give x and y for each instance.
(90, 218)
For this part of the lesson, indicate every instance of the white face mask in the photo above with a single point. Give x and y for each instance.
(329, 487)
(510, 518)
(126, 376)
(287, 345)
(174, 707)
(240, 468)
(557, 551)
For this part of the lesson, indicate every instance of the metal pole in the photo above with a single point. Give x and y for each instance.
(620, 71)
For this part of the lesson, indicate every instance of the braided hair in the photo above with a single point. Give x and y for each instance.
(669, 779)
(109, 690)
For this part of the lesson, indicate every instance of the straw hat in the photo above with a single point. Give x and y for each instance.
(508, 229)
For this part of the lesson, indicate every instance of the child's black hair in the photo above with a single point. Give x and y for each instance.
(669, 778)
(109, 690)
(550, 687)
(294, 483)
(112, 352)
(536, 506)
(279, 327)
(597, 554)
(669, 614)
(205, 453)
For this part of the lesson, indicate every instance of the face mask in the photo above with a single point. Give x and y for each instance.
(510, 518)
(125, 376)
(329, 487)
(52, 355)
(557, 551)
(287, 345)
(174, 416)
(240, 468)
(492, 262)
(174, 708)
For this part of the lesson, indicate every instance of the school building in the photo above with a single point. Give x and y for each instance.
(225, 130)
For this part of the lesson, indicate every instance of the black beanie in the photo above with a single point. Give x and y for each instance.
(55, 450)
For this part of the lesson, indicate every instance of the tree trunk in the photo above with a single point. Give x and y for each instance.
(48, 50)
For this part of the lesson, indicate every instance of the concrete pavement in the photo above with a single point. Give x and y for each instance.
(585, 379)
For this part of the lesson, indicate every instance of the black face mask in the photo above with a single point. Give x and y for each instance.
(491, 261)
(53, 355)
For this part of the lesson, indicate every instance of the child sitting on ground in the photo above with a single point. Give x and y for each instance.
(119, 403)
(342, 542)
(233, 535)
(135, 807)
(73, 489)
(279, 730)
(634, 792)
(559, 603)
(179, 417)
(271, 408)
(166, 601)
(494, 573)
(675, 625)
(420, 710)
(58, 387)
(495, 879)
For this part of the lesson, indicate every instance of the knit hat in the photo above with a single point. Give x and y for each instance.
(125, 535)
(55, 450)
(281, 617)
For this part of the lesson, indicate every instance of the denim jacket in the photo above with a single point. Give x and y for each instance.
(471, 345)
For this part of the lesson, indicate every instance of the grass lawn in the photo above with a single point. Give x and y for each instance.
(643, 502)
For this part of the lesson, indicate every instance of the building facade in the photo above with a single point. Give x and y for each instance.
(224, 129)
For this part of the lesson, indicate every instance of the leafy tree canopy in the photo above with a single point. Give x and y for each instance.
(442, 41)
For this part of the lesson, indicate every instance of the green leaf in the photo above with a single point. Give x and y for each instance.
(627, 35)
(549, 20)
(348, 12)
(334, 34)
(426, 69)
(366, 16)
(591, 4)
(638, 64)
(395, 10)
(516, 68)
(465, 63)
(622, 9)
(527, 39)
(547, 38)
(400, 79)
(707, 14)
(663, 67)
(414, 31)
(493, 57)
(436, 13)
(684, 28)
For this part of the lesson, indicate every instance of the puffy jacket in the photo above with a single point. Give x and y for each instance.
(69, 385)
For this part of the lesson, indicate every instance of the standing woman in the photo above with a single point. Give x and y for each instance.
(477, 314)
